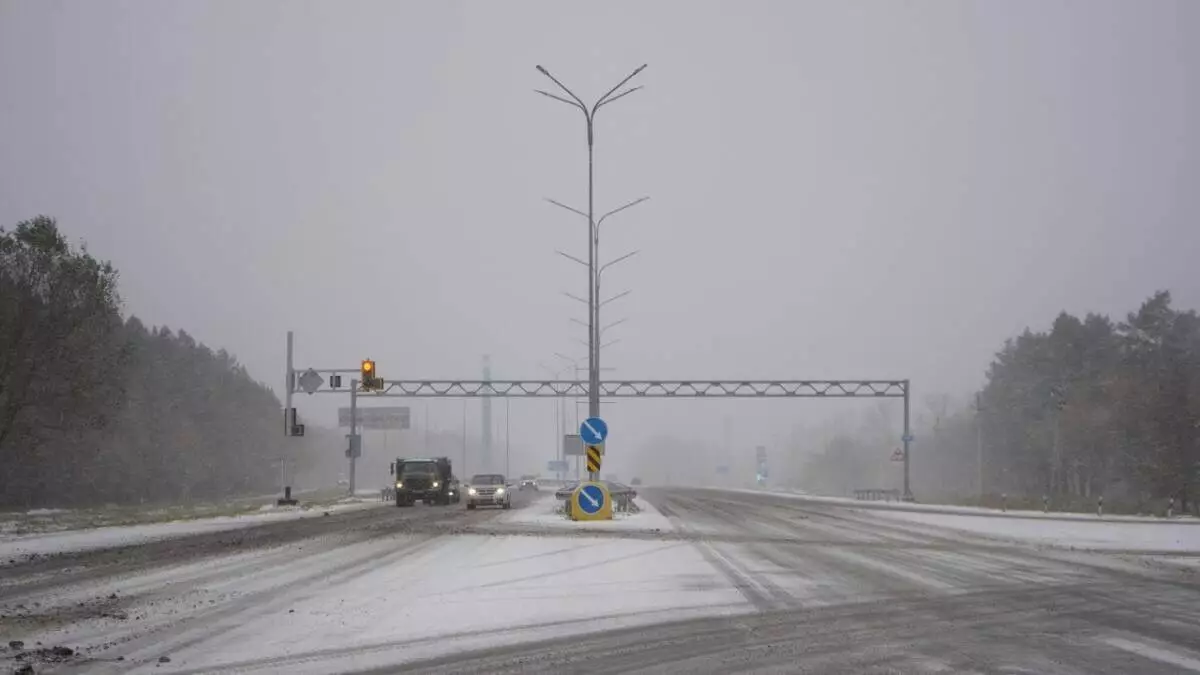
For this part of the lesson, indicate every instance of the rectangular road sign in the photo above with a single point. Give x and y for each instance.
(557, 466)
(572, 445)
(378, 417)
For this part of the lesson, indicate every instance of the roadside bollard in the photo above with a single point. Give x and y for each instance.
(1004, 502)
(1171, 507)
(1100, 506)
(1045, 503)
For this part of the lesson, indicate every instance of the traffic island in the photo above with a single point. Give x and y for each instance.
(590, 501)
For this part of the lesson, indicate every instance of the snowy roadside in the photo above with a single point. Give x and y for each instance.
(1126, 535)
(961, 510)
(46, 520)
(24, 545)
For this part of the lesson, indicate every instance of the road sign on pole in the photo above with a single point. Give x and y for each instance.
(897, 455)
(591, 501)
(572, 446)
(310, 381)
(593, 431)
(379, 417)
(557, 466)
(594, 453)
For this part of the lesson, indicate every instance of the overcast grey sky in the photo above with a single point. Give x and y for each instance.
(838, 189)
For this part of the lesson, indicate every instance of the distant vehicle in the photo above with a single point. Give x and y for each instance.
(636, 481)
(489, 489)
(528, 482)
(428, 479)
(567, 488)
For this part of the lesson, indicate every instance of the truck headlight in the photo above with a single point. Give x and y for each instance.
(435, 483)
(499, 491)
(472, 491)
(399, 484)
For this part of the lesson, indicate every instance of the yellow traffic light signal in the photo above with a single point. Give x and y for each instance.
(368, 374)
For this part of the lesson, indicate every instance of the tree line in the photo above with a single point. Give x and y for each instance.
(1091, 407)
(99, 409)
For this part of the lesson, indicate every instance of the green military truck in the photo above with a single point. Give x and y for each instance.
(429, 480)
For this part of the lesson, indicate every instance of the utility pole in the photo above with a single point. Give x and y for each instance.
(979, 442)
(487, 415)
(589, 115)
(464, 439)
(907, 438)
(355, 446)
(507, 468)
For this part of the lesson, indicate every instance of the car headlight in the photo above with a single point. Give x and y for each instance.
(435, 483)
(472, 491)
(399, 484)
(499, 491)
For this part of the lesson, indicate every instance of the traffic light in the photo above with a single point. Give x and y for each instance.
(368, 374)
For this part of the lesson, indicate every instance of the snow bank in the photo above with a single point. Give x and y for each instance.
(1095, 534)
(13, 546)
(961, 510)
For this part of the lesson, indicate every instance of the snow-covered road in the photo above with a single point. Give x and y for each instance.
(701, 581)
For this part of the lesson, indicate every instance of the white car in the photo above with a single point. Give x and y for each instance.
(489, 489)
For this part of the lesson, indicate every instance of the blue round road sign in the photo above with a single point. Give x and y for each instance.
(591, 499)
(593, 431)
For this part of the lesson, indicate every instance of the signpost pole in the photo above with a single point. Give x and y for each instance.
(908, 497)
(353, 430)
(288, 386)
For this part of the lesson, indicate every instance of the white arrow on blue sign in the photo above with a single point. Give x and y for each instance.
(593, 431)
(591, 499)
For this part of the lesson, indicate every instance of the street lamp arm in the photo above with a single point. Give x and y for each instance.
(581, 322)
(575, 297)
(569, 92)
(573, 104)
(574, 362)
(610, 343)
(564, 206)
(614, 262)
(620, 209)
(620, 95)
(570, 257)
(615, 297)
(604, 98)
(615, 323)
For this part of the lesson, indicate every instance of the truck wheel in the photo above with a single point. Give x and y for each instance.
(507, 505)
(470, 506)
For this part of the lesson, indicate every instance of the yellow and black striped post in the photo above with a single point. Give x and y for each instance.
(594, 452)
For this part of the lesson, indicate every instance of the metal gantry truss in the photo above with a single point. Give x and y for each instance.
(692, 389)
(645, 388)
